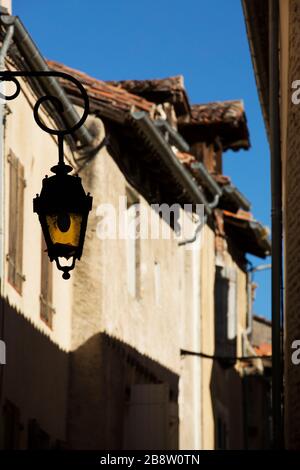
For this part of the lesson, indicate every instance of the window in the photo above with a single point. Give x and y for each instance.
(232, 305)
(225, 311)
(133, 243)
(46, 309)
(16, 218)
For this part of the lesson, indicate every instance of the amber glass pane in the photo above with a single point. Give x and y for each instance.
(62, 232)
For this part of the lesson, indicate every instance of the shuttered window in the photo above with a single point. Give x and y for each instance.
(133, 243)
(232, 304)
(221, 301)
(225, 311)
(16, 220)
(46, 308)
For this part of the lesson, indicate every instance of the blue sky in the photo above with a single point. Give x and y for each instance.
(205, 41)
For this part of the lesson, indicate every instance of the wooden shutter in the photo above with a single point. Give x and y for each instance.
(221, 304)
(232, 304)
(225, 311)
(16, 221)
(133, 243)
(46, 309)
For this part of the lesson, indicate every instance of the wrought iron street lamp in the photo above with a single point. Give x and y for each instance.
(62, 206)
(63, 209)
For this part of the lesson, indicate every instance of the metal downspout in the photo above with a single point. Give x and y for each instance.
(250, 279)
(276, 188)
(5, 46)
(50, 84)
(142, 121)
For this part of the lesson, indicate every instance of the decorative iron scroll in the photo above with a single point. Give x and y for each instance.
(56, 185)
(12, 76)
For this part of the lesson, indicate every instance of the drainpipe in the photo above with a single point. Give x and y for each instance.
(276, 188)
(214, 187)
(50, 85)
(201, 224)
(5, 46)
(145, 127)
(250, 273)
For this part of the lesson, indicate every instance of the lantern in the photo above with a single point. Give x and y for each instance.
(63, 209)
(62, 206)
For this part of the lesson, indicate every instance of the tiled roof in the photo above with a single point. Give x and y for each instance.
(186, 158)
(264, 349)
(102, 92)
(170, 89)
(219, 112)
(222, 180)
(261, 319)
(242, 215)
(108, 98)
(248, 233)
(224, 119)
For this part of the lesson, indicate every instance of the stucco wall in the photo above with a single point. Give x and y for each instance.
(155, 331)
(35, 377)
(37, 151)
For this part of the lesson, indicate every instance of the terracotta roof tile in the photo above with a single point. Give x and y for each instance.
(242, 215)
(170, 89)
(252, 236)
(221, 179)
(224, 119)
(264, 349)
(100, 91)
(219, 112)
(186, 158)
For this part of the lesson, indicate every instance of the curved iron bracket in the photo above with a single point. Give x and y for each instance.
(57, 102)
(11, 76)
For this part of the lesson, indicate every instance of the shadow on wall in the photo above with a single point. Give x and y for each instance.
(227, 403)
(240, 397)
(129, 400)
(241, 408)
(226, 386)
(34, 385)
(105, 395)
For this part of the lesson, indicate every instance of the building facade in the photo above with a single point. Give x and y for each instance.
(140, 348)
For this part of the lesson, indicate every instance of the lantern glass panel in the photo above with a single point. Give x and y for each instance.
(65, 228)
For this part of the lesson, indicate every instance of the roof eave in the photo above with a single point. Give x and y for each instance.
(257, 31)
